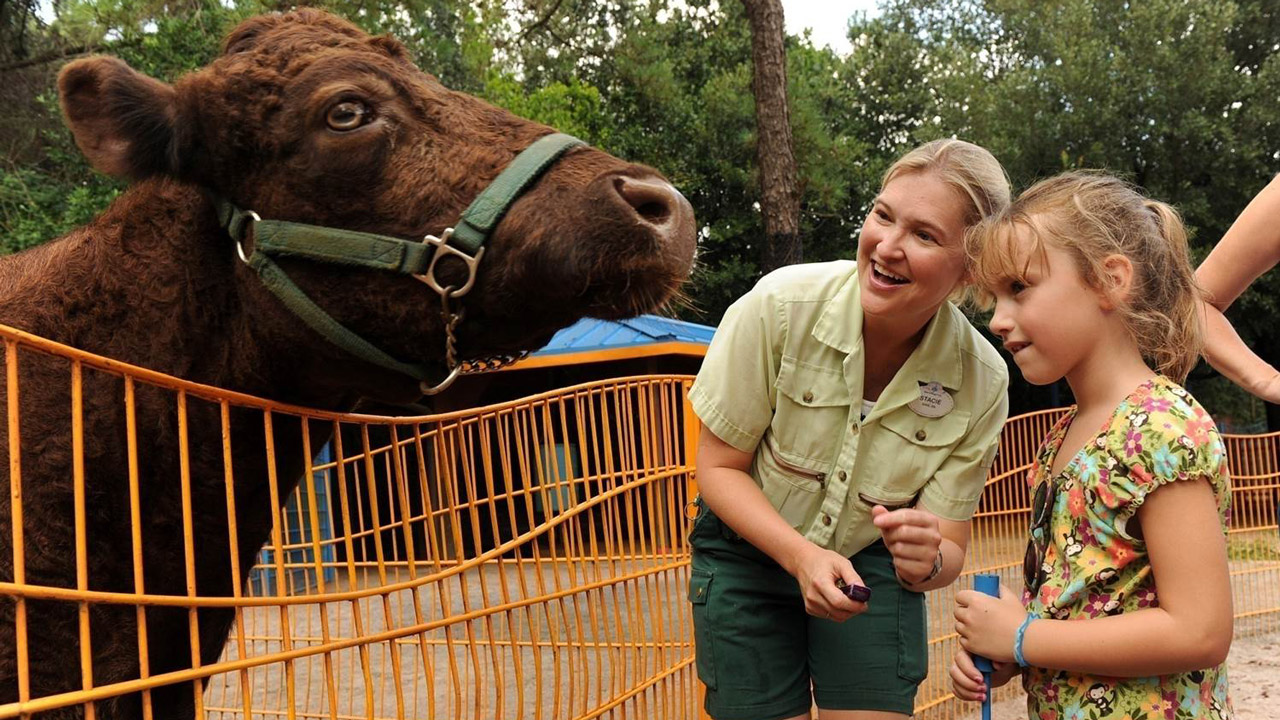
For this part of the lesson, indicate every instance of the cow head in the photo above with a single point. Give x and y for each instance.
(306, 118)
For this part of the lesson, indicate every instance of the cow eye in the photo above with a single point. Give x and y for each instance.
(348, 115)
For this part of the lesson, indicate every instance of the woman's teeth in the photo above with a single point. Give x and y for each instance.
(880, 270)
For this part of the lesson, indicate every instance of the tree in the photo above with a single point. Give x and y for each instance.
(1178, 96)
(779, 196)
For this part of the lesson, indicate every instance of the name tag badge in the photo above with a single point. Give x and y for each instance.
(934, 401)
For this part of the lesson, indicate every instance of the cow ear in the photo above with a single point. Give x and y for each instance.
(125, 123)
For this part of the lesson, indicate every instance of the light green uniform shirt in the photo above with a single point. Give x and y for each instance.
(782, 379)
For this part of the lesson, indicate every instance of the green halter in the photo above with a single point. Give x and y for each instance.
(465, 241)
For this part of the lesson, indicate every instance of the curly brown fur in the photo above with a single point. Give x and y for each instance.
(154, 281)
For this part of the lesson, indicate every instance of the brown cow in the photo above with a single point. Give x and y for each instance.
(303, 118)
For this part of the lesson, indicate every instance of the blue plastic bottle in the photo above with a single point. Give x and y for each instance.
(990, 585)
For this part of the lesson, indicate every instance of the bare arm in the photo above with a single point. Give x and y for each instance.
(1190, 630)
(1229, 355)
(1250, 248)
(735, 498)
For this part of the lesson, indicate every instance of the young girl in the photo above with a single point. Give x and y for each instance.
(1127, 599)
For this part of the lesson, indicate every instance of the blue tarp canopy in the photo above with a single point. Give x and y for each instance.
(590, 334)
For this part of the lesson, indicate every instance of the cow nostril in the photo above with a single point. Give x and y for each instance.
(655, 213)
(652, 200)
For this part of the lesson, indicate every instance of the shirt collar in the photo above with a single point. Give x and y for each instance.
(936, 359)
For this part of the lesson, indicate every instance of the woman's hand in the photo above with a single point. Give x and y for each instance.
(966, 680)
(816, 570)
(914, 539)
(988, 625)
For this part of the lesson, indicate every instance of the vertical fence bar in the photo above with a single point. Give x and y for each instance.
(15, 509)
(81, 529)
(188, 546)
(135, 522)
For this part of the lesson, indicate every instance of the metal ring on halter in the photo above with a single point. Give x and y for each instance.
(240, 247)
(429, 389)
(444, 249)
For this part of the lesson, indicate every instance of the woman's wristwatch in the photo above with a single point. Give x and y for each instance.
(937, 568)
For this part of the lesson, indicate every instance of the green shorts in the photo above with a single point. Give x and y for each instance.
(758, 651)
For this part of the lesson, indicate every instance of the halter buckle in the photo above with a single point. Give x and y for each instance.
(444, 249)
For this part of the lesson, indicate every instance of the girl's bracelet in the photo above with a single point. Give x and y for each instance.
(1018, 639)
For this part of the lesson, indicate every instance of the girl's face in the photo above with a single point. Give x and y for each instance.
(911, 249)
(1050, 319)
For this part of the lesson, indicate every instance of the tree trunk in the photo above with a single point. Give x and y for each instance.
(779, 194)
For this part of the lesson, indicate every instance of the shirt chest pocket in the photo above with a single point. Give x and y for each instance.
(908, 450)
(812, 409)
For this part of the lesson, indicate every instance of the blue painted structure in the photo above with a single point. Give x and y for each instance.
(590, 334)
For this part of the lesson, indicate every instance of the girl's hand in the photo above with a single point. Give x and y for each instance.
(987, 625)
(966, 680)
(816, 571)
(914, 539)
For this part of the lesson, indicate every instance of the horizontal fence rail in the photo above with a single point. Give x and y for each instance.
(520, 561)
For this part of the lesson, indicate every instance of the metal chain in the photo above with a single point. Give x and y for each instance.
(476, 365)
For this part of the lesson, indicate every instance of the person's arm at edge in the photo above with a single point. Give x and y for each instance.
(1228, 354)
(1250, 247)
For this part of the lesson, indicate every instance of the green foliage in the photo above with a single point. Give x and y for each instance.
(1180, 96)
(33, 209)
(573, 108)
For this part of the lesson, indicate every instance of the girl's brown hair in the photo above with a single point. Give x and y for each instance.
(1093, 216)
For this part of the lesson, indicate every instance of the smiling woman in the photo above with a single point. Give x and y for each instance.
(850, 413)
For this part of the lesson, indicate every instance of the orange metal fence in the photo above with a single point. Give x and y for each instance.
(999, 539)
(521, 561)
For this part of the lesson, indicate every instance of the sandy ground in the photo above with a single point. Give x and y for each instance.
(1253, 667)
(568, 658)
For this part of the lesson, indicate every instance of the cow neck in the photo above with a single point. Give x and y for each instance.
(465, 241)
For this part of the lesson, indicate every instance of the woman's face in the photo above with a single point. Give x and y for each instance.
(911, 249)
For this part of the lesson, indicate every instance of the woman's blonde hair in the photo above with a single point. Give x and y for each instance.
(1093, 216)
(971, 171)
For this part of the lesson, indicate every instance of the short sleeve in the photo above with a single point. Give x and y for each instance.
(954, 490)
(733, 394)
(1159, 440)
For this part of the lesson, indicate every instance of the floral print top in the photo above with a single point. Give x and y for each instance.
(1093, 567)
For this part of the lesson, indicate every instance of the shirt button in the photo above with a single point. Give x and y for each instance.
(808, 397)
(822, 478)
(921, 435)
(843, 476)
(854, 427)
(826, 519)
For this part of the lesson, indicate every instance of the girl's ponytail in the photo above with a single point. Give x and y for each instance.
(1173, 309)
